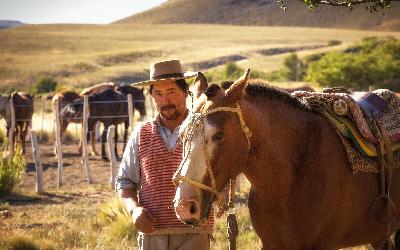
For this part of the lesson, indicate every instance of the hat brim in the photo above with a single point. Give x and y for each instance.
(186, 75)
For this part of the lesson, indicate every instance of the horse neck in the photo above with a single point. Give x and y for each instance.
(276, 129)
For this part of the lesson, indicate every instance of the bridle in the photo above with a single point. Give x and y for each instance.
(197, 124)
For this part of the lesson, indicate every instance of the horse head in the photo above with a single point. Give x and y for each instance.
(214, 138)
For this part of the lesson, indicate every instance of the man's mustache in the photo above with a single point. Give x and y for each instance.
(167, 107)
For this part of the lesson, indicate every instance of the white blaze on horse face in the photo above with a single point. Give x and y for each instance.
(195, 165)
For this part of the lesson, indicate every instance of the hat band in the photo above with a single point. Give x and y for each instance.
(167, 76)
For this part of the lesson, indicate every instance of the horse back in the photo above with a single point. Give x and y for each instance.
(109, 106)
(23, 105)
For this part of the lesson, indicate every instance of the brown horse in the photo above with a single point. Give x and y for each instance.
(303, 194)
(138, 103)
(23, 108)
(108, 107)
(66, 97)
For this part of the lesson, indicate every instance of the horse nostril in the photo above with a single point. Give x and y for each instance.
(193, 208)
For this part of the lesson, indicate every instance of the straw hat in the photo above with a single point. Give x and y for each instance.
(165, 71)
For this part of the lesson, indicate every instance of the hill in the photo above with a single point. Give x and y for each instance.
(81, 55)
(5, 24)
(267, 13)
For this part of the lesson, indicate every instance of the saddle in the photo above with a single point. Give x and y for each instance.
(359, 116)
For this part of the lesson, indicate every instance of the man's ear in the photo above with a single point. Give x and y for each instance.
(234, 93)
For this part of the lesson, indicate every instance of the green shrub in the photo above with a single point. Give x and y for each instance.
(293, 68)
(334, 42)
(373, 62)
(231, 72)
(11, 170)
(45, 85)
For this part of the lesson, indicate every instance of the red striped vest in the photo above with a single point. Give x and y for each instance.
(158, 163)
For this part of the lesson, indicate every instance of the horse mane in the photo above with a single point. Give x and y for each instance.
(212, 90)
(258, 90)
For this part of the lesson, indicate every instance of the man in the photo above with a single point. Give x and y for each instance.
(149, 162)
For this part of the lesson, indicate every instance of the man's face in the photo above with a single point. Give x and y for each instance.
(170, 100)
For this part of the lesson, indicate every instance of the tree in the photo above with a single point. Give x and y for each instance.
(371, 5)
(293, 68)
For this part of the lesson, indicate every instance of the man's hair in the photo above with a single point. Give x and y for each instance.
(181, 84)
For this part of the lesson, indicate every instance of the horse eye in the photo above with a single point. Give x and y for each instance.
(219, 136)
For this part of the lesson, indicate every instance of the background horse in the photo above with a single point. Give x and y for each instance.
(67, 97)
(303, 194)
(108, 107)
(23, 107)
(138, 103)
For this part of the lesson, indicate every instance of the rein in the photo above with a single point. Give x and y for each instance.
(197, 124)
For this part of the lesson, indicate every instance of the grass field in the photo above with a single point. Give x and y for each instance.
(80, 55)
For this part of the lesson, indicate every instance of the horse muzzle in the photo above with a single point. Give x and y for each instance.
(188, 211)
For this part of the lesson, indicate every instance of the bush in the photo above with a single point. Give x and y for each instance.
(293, 68)
(231, 72)
(45, 85)
(334, 42)
(11, 170)
(373, 62)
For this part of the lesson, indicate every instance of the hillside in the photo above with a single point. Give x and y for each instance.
(81, 55)
(5, 24)
(266, 13)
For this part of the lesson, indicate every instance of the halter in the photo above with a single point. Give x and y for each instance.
(197, 124)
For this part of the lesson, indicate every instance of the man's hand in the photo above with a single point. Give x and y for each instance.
(143, 220)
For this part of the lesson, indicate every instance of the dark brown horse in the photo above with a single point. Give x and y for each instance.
(66, 97)
(303, 194)
(23, 108)
(108, 107)
(138, 103)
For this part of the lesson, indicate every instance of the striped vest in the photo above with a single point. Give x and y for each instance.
(158, 163)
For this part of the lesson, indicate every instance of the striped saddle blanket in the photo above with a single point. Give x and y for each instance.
(355, 126)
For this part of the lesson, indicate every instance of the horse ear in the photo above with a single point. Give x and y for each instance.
(200, 85)
(234, 93)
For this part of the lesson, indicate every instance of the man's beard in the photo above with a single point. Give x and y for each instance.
(169, 116)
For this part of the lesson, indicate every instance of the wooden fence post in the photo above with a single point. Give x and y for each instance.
(84, 137)
(130, 113)
(58, 142)
(11, 134)
(42, 125)
(38, 162)
(113, 160)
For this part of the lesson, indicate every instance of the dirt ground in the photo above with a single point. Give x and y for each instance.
(73, 172)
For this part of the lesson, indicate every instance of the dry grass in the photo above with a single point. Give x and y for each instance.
(79, 55)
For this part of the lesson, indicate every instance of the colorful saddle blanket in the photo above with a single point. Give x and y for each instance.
(355, 127)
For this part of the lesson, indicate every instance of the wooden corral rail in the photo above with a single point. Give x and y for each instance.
(113, 160)
(56, 111)
(11, 133)
(38, 162)
(85, 117)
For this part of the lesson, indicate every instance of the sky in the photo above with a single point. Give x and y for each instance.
(72, 11)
